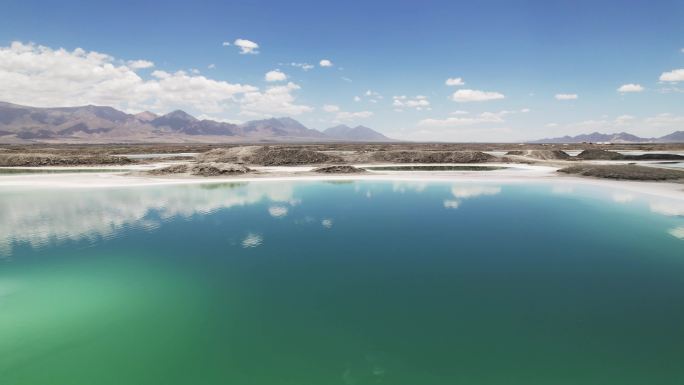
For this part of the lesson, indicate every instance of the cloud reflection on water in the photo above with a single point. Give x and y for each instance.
(39, 218)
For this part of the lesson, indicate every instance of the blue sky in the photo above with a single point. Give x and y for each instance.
(519, 56)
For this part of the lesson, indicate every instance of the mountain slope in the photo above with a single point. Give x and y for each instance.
(355, 134)
(99, 124)
(621, 137)
(279, 127)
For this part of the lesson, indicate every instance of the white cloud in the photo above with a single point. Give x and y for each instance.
(631, 87)
(475, 96)
(225, 43)
(452, 82)
(673, 76)
(303, 66)
(247, 46)
(277, 100)
(327, 223)
(41, 76)
(371, 96)
(275, 76)
(325, 63)
(456, 121)
(211, 66)
(140, 64)
(345, 115)
(346, 79)
(665, 119)
(451, 204)
(566, 96)
(419, 102)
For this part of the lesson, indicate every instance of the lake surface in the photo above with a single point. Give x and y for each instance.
(341, 283)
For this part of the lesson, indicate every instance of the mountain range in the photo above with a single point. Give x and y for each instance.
(99, 124)
(621, 137)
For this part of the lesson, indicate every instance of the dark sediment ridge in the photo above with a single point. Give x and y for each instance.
(624, 172)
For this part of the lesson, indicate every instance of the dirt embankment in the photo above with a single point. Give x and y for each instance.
(596, 154)
(267, 156)
(625, 172)
(433, 157)
(202, 169)
(38, 160)
(541, 154)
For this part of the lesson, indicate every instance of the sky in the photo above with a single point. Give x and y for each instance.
(501, 71)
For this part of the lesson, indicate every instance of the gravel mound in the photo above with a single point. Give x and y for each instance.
(344, 169)
(169, 170)
(36, 160)
(267, 156)
(596, 154)
(217, 169)
(624, 171)
(433, 157)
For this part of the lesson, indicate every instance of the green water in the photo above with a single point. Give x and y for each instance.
(345, 283)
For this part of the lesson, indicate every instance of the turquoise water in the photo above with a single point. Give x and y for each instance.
(341, 283)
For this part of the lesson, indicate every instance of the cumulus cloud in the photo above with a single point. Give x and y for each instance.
(456, 121)
(41, 76)
(275, 76)
(566, 96)
(246, 46)
(303, 66)
(325, 63)
(140, 64)
(631, 87)
(344, 115)
(475, 96)
(418, 102)
(277, 100)
(341, 115)
(665, 119)
(453, 82)
(673, 76)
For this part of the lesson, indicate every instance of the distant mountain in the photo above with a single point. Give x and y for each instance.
(279, 127)
(675, 137)
(355, 134)
(146, 116)
(98, 124)
(622, 137)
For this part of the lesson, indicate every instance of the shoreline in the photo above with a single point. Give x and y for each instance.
(511, 174)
